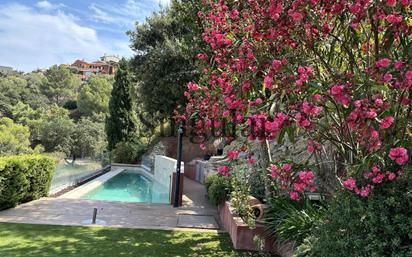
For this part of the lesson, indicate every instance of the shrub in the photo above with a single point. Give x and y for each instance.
(24, 178)
(240, 195)
(257, 185)
(379, 225)
(209, 181)
(128, 152)
(291, 221)
(219, 188)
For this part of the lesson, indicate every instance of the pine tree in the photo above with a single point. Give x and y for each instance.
(121, 122)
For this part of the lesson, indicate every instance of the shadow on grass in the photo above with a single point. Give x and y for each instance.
(61, 241)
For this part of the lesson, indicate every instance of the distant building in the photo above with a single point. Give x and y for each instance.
(110, 58)
(86, 69)
(5, 69)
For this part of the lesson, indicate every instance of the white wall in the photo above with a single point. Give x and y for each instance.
(163, 169)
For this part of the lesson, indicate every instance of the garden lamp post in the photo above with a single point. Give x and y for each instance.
(179, 160)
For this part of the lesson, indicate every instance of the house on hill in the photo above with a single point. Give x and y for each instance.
(86, 69)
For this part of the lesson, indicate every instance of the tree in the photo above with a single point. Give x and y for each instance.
(14, 138)
(165, 47)
(94, 96)
(17, 88)
(32, 118)
(13, 89)
(88, 139)
(60, 85)
(56, 130)
(121, 122)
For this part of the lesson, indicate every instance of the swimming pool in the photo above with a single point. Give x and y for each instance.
(130, 186)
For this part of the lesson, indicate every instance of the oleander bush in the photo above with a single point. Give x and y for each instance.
(24, 178)
(380, 225)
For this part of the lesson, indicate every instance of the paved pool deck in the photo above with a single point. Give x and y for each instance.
(197, 213)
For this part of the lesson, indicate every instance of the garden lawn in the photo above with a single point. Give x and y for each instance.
(56, 241)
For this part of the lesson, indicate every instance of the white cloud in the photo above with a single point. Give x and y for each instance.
(124, 13)
(31, 39)
(163, 3)
(46, 5)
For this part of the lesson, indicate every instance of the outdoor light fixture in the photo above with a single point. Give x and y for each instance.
(179, 160)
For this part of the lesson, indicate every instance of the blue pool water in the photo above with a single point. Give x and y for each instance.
(129, 186)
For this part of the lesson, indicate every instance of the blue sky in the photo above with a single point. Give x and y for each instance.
(39, 33)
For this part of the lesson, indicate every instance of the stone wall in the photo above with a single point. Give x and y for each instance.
(167, 146)
(296, 152)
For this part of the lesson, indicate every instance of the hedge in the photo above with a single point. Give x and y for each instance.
(24, 178)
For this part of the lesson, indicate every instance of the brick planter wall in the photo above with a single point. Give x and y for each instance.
(242, 236)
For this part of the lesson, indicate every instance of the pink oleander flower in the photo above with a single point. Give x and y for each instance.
(399, 155)
(391, 176)
(393, 18)
(246, 86)
(408, 75)
(224, 171)
(398, 65)
(316, 97)
(275, 173)
(386, 122)
(268, 81)
(201, 56)
(299, 186)
(226, 113)
(233, 154)
(287, 167)
(378, 178)
(258, 101)
(276, 64)
(365, 191)
(391, 3)
(383, 63)
(405, 2)
(306, 176)
(387, 77)
(378, 102)
(350, 183)
(313, 146)
(193, 86)
(294, 195)
(310, 109)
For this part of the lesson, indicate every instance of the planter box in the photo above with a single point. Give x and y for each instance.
(242, 236)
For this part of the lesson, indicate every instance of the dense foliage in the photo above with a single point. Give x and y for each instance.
(379, 225)
(14, 138)
(53, 111)
(24, 178)
(165, 47)
(61, 85)
(128, 152)
(218, 188)
(292, 221)
(93, 98)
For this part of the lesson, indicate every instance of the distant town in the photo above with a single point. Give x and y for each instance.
(106, 65)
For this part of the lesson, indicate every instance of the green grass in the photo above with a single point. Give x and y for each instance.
(58, 241)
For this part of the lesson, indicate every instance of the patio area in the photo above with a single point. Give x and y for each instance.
(196, 213)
